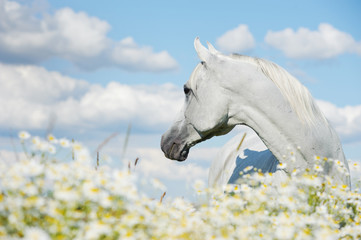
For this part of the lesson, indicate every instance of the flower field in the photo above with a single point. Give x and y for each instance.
(45, 198)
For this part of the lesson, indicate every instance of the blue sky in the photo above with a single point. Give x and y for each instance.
(104, 64)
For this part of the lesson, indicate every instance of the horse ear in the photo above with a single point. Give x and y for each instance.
(203, 53)
(212, 49)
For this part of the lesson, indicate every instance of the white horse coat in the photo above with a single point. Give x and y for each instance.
(225, 91)
(234, 158)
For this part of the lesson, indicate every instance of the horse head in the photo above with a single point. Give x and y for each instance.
(204, 113)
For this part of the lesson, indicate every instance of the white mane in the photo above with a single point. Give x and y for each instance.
(297, 95)
(294, 92)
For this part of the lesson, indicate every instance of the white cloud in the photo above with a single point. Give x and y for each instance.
(236, 40)
(36, 84)
(148, 105)
(346, 120)
(128, 54)
(326, 42)
(75, 36)
(30, 95)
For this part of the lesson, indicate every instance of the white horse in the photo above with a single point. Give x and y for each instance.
(225, 91)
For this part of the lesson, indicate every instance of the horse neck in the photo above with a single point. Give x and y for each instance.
(286, 136)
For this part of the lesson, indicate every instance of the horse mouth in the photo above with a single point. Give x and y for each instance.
(183, 155)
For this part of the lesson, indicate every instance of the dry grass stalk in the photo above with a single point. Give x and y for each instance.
(97, 161)
(72, 151)
(240, 144)
(51, 124)
(101, 145)
(106, 141)
(161, 198)
(126, 140)
(14, 146)
(136, 162)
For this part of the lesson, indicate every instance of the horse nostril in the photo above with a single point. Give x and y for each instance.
(171, 149)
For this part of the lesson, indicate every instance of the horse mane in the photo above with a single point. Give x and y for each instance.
(297, 95)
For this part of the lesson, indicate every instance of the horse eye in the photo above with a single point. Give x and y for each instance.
(186, 90)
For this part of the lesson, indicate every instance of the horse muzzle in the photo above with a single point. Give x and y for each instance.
(174, 149)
